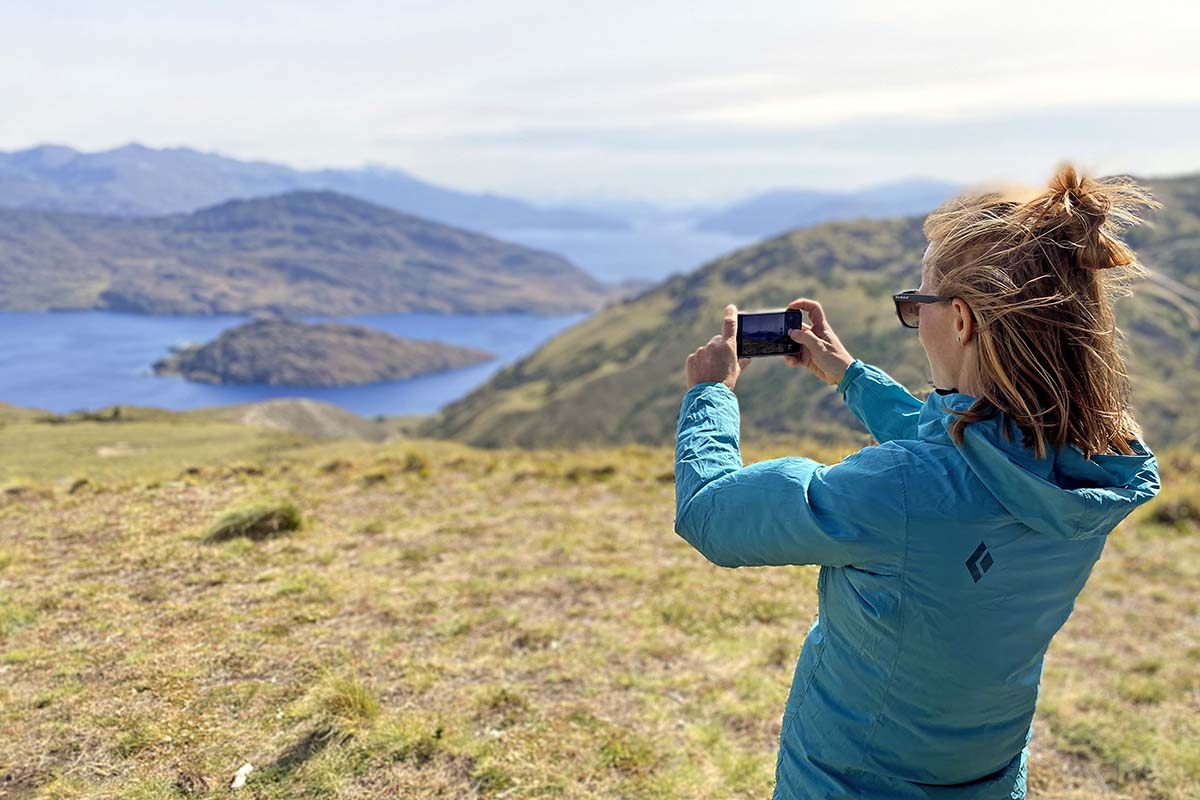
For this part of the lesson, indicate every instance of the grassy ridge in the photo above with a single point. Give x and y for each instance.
(616, 376)
(454, 622)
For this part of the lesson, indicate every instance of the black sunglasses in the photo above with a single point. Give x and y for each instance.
(908, 306)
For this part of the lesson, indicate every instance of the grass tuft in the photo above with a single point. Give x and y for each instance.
(413, 739)
(13, 617)
(1141, 689)
(350, 703)
(586, 473)
(628, 753)
(1176, 510)
(415, 462)
(256, 523)
(490, 778)
(505, 707)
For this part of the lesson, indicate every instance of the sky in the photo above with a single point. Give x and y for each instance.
(673, 102)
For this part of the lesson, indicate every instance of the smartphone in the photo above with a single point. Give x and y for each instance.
(765, 333)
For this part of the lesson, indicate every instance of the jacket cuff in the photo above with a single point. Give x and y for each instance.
(699, 388)
(855, 369)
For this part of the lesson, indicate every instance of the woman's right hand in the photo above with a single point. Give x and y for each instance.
(823, 353)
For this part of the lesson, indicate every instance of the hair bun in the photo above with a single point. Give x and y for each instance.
(1086, 216)
(1083, 209)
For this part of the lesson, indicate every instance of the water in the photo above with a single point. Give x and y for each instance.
(67, 361)
(647, 250)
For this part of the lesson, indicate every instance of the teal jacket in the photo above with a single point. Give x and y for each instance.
(945, 571)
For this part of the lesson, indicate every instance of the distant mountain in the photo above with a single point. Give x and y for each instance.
(285, 352)
(618, 375)
(141, 181)
(784, 209)
(297, 253)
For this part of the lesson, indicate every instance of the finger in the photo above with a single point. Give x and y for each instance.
(812, 307)
(743, 363)
(729, 329)
(791, 361)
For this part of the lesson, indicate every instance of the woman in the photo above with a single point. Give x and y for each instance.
(952, 551)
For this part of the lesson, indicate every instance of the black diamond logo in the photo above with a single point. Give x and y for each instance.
(979, 562)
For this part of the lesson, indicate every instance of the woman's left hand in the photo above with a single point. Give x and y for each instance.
(717, 360)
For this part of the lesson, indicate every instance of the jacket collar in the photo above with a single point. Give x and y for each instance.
(1062, 492)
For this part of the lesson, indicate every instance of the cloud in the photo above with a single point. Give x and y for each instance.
(648, 98)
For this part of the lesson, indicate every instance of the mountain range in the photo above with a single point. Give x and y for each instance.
(135, 180)
(618, 375)
(317, 253)
(781, 210)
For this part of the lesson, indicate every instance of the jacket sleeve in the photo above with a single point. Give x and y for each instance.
(786, 510)
(885, 407)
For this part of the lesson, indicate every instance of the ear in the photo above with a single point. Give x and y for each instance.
(964, 321)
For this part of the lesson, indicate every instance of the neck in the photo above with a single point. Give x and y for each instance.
(962, 383)
(966, 383)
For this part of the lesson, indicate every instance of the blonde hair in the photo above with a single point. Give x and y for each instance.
(1039, 270)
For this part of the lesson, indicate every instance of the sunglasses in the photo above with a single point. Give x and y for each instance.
(908, 306)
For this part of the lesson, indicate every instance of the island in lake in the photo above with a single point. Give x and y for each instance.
(283, 352)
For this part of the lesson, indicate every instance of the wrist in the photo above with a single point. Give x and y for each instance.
(853, 368)
(846, 361)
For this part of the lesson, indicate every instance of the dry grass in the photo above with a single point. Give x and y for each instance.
(460, 623)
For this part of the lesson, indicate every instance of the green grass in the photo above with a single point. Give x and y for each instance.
(482, 623)
(148, 444)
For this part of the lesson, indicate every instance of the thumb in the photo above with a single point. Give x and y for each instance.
(743, 363)
(729, 325)
(806, 337)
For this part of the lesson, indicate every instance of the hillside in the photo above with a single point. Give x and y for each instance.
(618, 375)
(135, 180)
(316, 253)
(466, 623)
(282, 352)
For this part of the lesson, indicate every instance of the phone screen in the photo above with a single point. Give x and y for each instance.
(765, 333)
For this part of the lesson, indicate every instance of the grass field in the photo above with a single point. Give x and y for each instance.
(459, 623)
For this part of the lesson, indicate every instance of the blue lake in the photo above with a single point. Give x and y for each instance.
(648, 250)
(66, 361)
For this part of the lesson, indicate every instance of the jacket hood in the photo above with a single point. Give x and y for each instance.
(1063, 493)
